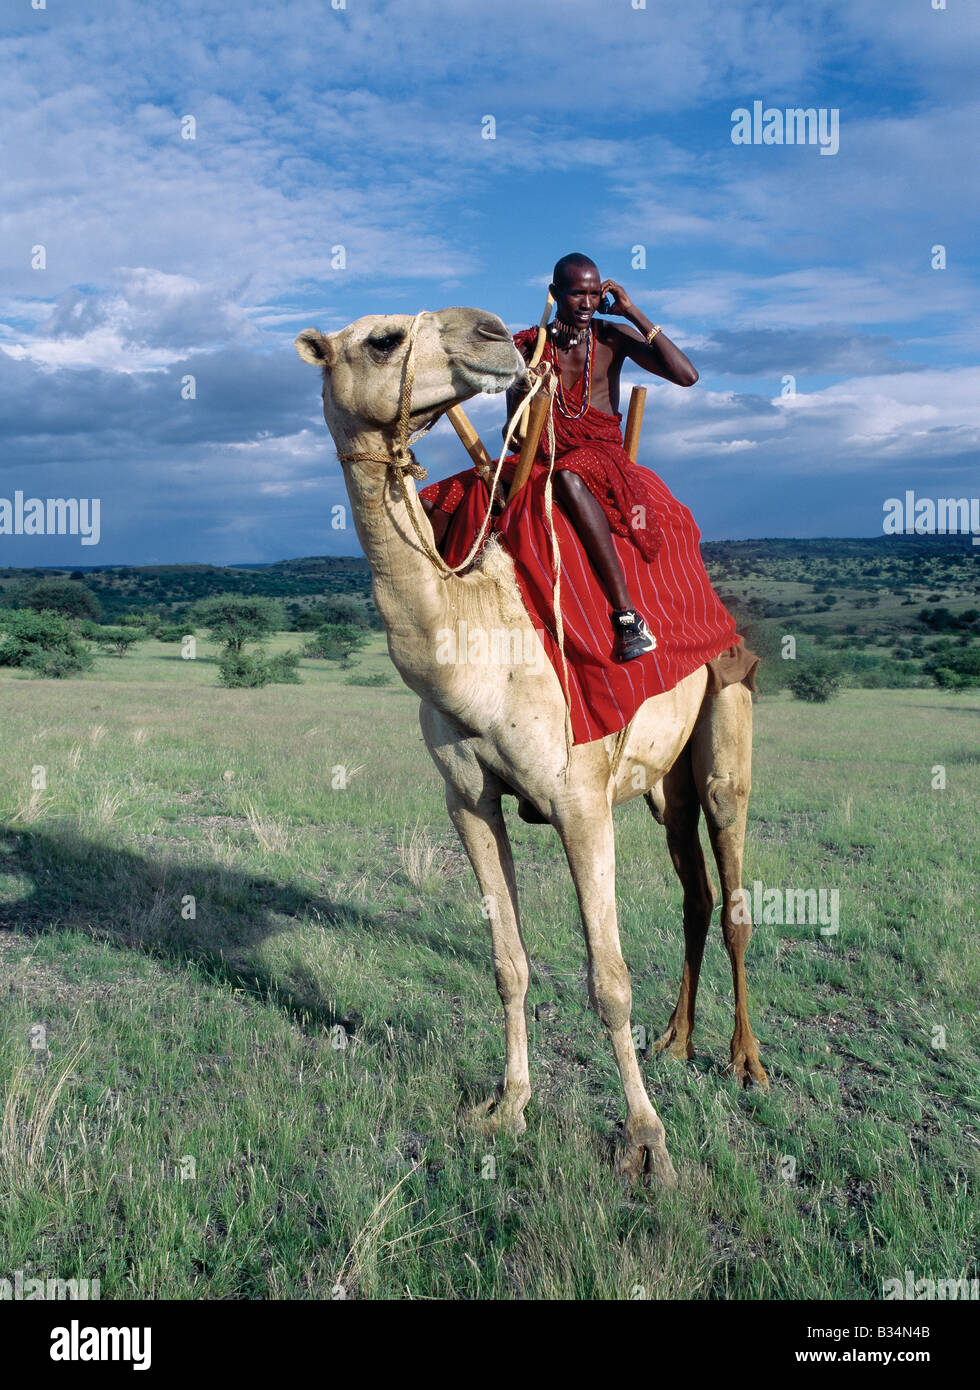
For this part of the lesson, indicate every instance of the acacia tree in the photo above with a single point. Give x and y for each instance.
(233, 620)
(118, 640)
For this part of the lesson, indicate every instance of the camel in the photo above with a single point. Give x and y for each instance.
(496, 726)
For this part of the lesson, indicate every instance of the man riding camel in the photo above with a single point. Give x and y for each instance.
(598, 487)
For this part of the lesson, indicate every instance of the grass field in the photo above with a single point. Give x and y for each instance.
(249, 935)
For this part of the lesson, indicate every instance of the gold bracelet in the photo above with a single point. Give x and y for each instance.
(653, 332)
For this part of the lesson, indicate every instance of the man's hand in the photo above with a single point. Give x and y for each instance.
(517, 392)
(658, 355)
(622, 304)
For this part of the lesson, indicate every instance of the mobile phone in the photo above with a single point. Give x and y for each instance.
(606, 304)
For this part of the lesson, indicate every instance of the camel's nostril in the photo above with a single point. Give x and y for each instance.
(494, 329)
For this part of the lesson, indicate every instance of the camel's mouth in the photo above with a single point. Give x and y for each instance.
(437, 408)
(479, 380)
(503, 375)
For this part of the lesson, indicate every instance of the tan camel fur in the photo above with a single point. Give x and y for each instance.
(494, 723)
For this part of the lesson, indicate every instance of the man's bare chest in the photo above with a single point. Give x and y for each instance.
(605, 374)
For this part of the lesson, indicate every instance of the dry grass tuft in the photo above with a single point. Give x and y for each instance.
(105, 807)
(33, 809)
(27, 1114)
(272, 835)
(424, 863)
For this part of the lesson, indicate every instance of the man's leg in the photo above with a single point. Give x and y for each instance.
(438, 519)
(592, 527)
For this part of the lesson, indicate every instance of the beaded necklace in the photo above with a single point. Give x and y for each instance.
(586, 389)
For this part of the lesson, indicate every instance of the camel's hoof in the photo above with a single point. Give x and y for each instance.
(644, 1159)
(496, 1116)
(749, 1071)
(681, 1048)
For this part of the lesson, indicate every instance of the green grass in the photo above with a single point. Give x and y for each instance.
(310, 1034)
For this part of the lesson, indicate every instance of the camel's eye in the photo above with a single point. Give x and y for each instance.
(385, 342)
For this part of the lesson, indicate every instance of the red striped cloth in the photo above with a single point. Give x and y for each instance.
(657, 541)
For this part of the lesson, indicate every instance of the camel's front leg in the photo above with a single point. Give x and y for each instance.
(484, 836)
(589, 845)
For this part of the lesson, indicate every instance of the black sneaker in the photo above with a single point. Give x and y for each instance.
(633, 637)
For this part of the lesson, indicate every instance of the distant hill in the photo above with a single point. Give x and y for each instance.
(817, 582)
(882, 561)
(170, 589)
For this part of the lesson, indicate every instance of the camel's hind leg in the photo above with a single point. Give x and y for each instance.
(681, 814)
(484, 836)
(721, 761)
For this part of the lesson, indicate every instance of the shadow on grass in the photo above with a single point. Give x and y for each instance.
(968, 756)
(944, 709)
(140, 901)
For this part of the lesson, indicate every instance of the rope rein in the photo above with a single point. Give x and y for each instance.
(401, 462)
(556, 590)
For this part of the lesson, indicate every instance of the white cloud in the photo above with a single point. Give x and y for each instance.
(152, 321)
(317, 127)
(917, 415)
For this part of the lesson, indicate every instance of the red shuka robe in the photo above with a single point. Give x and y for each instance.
(656, 539)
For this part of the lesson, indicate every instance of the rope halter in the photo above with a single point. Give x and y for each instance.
(401, 461)
(400, 458)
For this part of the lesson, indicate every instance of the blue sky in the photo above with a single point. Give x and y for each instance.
(362, 127)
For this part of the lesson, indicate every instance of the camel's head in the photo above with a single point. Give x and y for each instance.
(458, 353)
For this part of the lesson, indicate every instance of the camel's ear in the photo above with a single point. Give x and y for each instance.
(314, 348)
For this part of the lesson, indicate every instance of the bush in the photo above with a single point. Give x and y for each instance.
(173, 632)
(62, 596)
(857, 663)
(237, 670)
(148, 620)
(58, 664)
(283, 669)
(336, 642)
(886, 675)
(243, 670)
(44, 642)
(362, 678)
(959, 670)
(335, 609)
(817, 682)
(940, 619)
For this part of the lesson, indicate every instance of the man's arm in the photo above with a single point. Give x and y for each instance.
(661, 356)
(517, 392)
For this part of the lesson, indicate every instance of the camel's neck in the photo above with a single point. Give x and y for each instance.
(413, 598)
